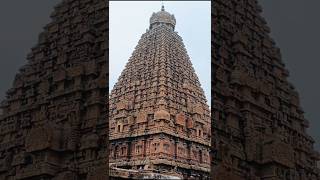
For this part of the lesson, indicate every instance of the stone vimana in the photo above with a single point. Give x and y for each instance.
(259, 126)
(53, 125)
(158, 117)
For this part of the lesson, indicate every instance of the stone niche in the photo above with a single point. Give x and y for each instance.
(18, 159)
(59, 75)
(162, 115)
(141, 117)
(40, 138)
(75, 71)
(122, 105)
(198, 109)
(190, 123)
(89, 144)
(120, 126)
(181, 119)
(182, 150)
(93, 112)
(233, 121)
(89, 141)
(167, 146)
(138, 148)
(279, 152)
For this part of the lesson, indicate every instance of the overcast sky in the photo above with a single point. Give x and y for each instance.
(295, 28)
(129, 20)
(21, 22)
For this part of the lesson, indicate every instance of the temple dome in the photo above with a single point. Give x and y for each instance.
(162, 17)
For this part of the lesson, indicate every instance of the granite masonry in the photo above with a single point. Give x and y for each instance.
(258, 124)
(159, 119)
(53, 125)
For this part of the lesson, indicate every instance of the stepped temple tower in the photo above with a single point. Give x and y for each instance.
(158, 116)
(259, 126)
(53, 125)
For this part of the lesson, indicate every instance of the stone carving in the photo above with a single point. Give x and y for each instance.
(169, 108)
(258, 125)
(53, 124)
(40, 138)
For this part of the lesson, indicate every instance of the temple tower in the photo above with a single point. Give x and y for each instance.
(259, 127)
(53, 124)
(158, 116)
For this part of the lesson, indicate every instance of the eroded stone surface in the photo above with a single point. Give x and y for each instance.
(259, 127)
(53, 124)
(158, 114)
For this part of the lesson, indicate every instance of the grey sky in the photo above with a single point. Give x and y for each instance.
(295, 28)
(21, 23)
(129, 20)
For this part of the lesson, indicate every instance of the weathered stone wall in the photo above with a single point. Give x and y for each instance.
(259, 127)
(158, 112)
(53, 124)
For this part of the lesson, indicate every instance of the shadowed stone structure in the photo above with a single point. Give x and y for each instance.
(53, 124)
(259, 127)
(158, 116)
